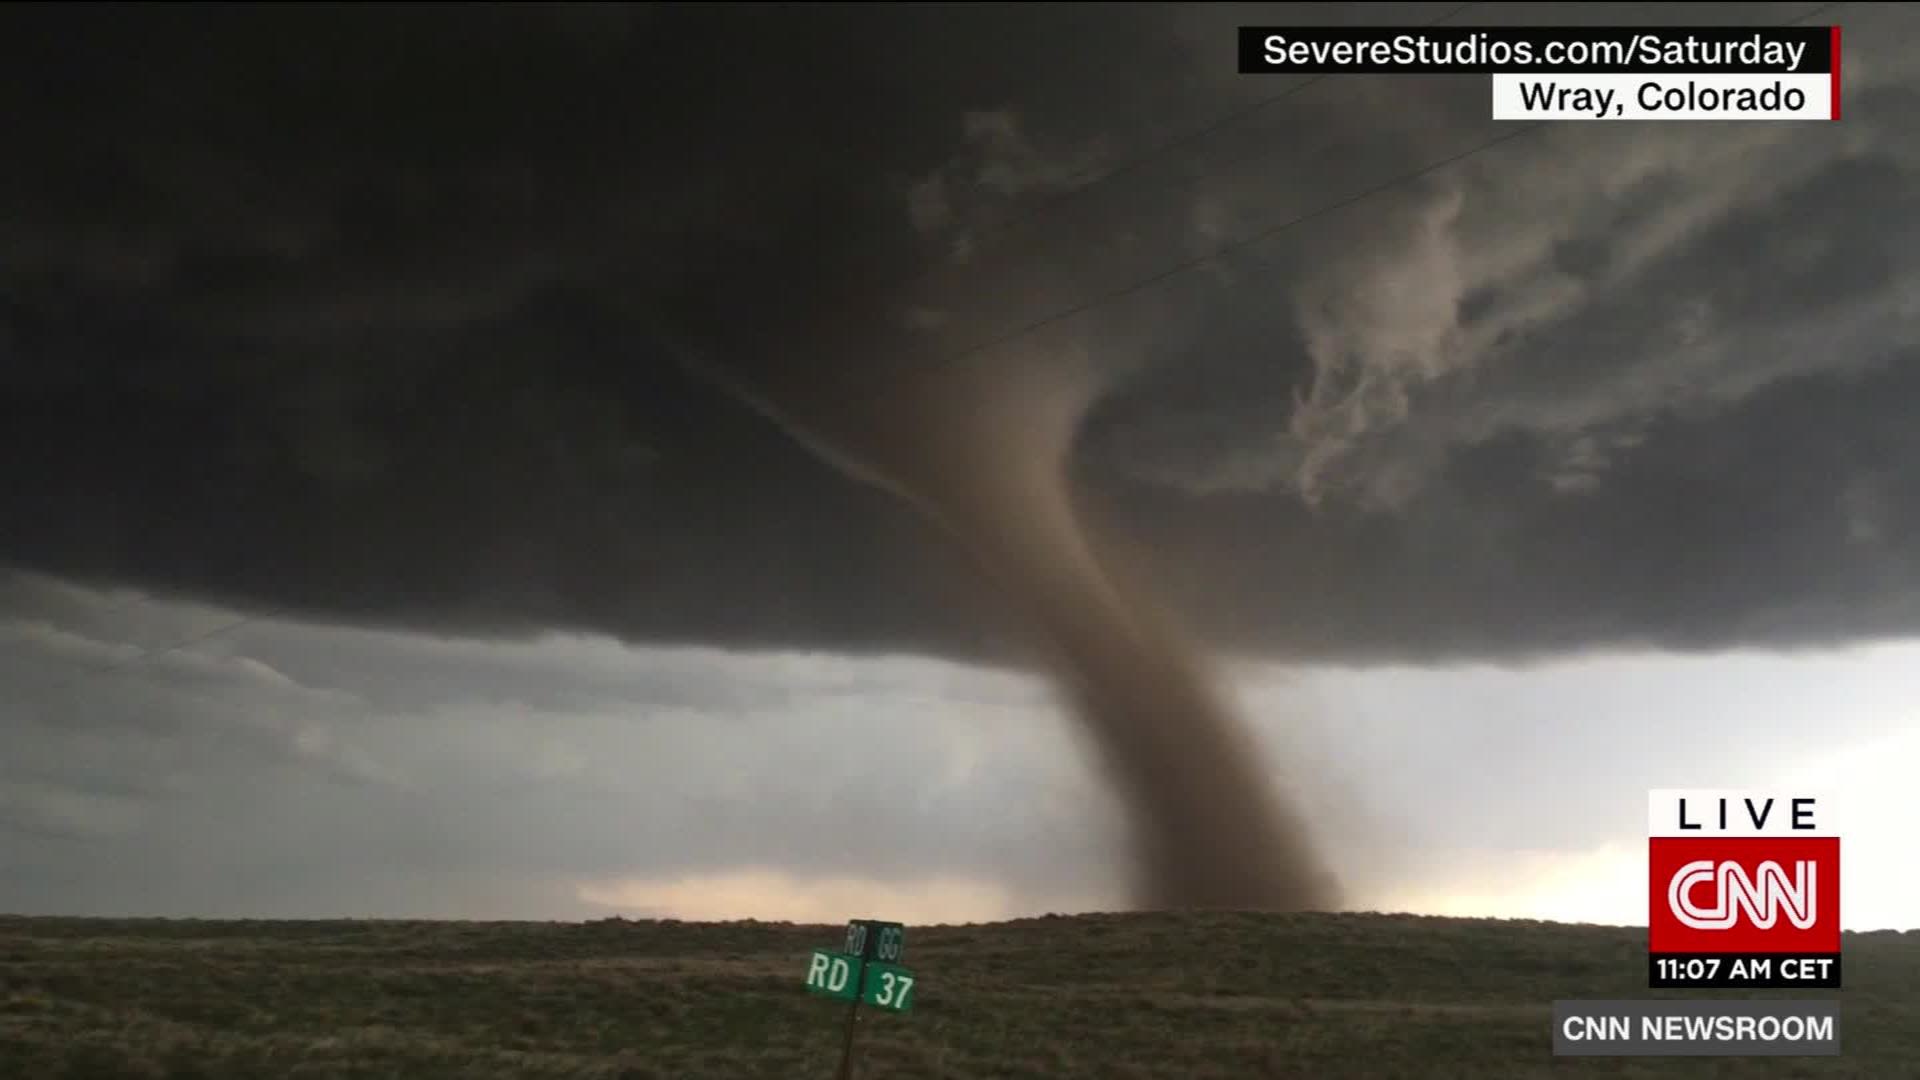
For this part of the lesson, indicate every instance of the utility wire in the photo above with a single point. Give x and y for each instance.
(152, 652)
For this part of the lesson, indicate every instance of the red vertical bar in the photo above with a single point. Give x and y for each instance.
(1835, 92)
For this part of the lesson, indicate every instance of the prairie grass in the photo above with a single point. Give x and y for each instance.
(1206, 996)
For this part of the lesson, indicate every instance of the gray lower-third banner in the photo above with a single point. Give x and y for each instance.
(1696, 1028)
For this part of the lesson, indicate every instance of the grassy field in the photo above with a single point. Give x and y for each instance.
(1120, 996)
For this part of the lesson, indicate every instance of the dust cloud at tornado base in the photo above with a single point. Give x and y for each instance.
(982, 449)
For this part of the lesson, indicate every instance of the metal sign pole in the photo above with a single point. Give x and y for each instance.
(853, 1018)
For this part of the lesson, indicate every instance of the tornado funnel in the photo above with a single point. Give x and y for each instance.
(982, 449)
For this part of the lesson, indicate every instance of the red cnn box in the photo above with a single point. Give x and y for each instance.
(1743, 890)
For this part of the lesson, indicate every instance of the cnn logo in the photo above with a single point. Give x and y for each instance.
(1761, 898)
(1743, 894)
(1743, 890)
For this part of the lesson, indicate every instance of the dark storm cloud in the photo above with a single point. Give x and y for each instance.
(376, 315)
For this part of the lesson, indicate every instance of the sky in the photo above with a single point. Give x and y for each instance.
(376, 541)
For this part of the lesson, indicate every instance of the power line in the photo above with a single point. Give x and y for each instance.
(153, 652)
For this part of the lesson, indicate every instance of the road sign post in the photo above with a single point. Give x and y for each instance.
(853, 1018)
(866, 969)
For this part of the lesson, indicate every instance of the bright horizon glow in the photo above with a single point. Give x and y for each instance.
(1605, 886)
(773, 896)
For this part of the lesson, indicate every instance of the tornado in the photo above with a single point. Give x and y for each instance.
(983, 451)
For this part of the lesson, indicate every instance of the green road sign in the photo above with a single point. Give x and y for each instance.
(889, 986)
(875, 940)
(833, 975)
